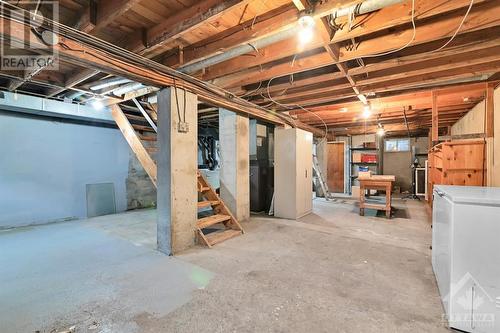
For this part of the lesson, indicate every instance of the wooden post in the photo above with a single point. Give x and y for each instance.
(435, 120)
(489, 129)
(489, 125)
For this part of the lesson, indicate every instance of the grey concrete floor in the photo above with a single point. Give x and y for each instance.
(332, 271)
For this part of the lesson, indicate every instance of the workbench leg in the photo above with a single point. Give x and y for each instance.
(388, 203)
(361, 200)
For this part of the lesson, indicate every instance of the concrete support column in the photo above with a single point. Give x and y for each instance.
(177, 164)
(235, 163)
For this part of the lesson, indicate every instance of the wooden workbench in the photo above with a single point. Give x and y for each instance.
(376, 182)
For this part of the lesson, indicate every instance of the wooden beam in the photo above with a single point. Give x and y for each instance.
(397, 15)
(300, 4)
(135, 143)
(450, 101)
(106, 12)
(489, 120)
(73, 80)
(481, 17)
(104, 60)
(371, 23)
(282, 18)
(435, 119)
(88, 21)
(309, 80)
(27, 76)
(254, 75)
(184, 21)
(244, 33)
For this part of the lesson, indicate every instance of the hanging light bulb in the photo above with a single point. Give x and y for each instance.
(380, 130)
(306, 29)
(367, 112)
(97, 104)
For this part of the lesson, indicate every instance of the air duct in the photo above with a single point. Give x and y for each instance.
(363, 8)
(114, 81)
(74, 95)
(128, 88)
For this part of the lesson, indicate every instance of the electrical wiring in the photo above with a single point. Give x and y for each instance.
(293, 106)
(458, 29)
(404, 46)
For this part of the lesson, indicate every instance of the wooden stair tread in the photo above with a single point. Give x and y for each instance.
(143, 128)
(220, 236)
(203, 188)
(204, 204)
(147, 137)
(211, 220)
(135, 117)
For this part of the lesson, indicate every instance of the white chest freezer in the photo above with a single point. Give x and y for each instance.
(466, 256)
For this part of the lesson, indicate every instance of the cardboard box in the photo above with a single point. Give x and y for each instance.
(371, 145)
(356, 157)
(364, 174)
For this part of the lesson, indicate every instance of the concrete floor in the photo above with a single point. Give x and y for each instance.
(332, 271)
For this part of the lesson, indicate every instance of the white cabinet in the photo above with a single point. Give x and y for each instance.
(466, 255)
(292, 173)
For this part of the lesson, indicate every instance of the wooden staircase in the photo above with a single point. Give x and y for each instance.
(220, 225)
(215, 222)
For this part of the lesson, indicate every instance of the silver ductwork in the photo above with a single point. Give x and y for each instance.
(114, 81)
(362, 8)
(74, 95)
(128, 88)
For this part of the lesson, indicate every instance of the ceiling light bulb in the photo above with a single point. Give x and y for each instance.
(306, 21)
(97, 104)
(343, 110)
(380, 130)
(306, 29)
(305, 36)
(367, 112)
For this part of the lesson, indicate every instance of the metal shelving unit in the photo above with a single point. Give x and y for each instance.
(352, 176)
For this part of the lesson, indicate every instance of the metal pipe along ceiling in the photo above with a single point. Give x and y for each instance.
(363, 8)
(114, 81)
(128, 88)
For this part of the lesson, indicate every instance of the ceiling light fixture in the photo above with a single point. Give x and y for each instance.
(380, 130)
(97, 104)
(363, 99)
(306, 29)
(343, 110)
(367, 112)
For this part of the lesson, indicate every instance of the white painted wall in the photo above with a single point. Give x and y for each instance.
(472, 122)
(46, 164)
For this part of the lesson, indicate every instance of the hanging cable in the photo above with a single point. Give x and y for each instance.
(292, 106)
(458, 29)
(404, 46)
(177, 103)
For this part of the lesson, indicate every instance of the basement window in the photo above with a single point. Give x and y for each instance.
(397, 145)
